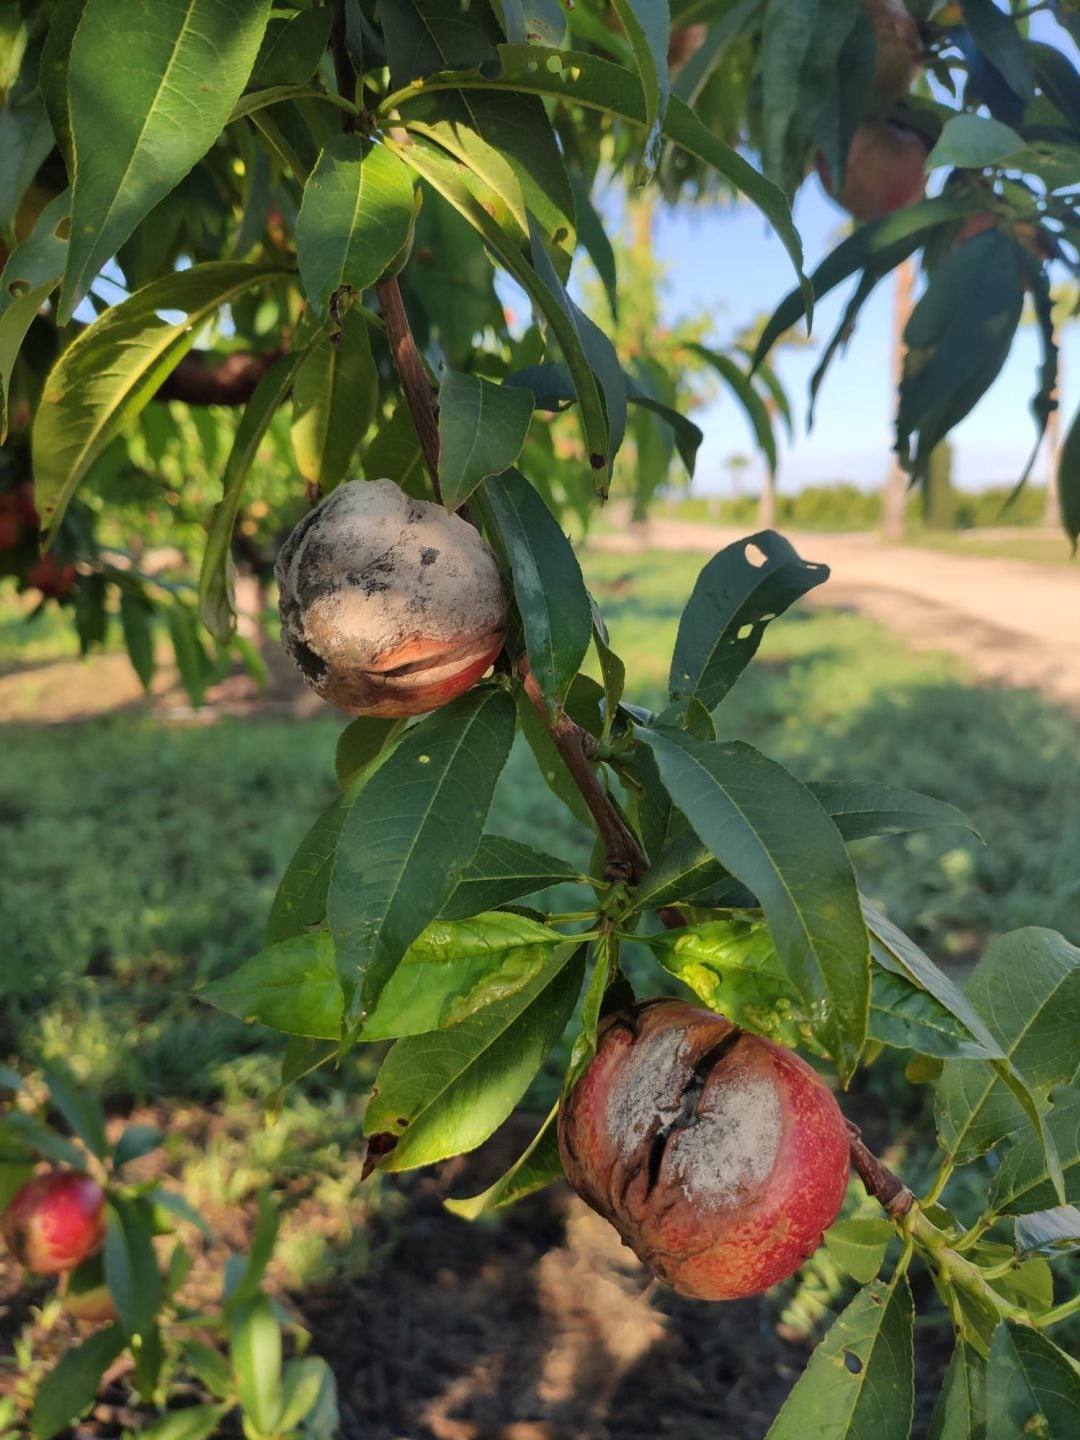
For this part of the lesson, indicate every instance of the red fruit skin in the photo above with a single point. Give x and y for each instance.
(884, 170)
(749, 1178)
(55, 1221)
(55, 581)
(899, 54)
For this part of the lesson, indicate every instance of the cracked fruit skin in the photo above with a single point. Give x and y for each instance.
(390, 606)
(884, 171)
(720, 1157)
(55, 1221)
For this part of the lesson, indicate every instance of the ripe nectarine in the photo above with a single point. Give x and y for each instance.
(884, 170)
(390, 606)
(719, 1156)
(55, 1221)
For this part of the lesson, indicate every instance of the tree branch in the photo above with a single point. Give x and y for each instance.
(228, 381)
(880, 1182)
(412, 372)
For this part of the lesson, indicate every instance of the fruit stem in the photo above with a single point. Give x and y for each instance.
(880, 1182)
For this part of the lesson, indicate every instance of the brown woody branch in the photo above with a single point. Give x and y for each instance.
(880, 1182)
(228, 381)
(413, 374)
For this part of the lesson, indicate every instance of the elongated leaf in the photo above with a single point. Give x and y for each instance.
(403, 850)
(292, 986)
(960, 1412)
(334, 400)
(747, 396)
(14, 323)
(356, 216)
(999, 40)
(1022, 1183)
(1031, 1385)
(738, 592)
(455, 968)
(292, 47)
(770, 833)
(1068, 482)
(192, 660)
(482, 427)
(135, 621)
(302, 893)
(1049, 1232)
(867, 808)
(195, 1422)
(71, 1385)
(859, 1245)
(359, 743)
(138, 128)
(79, 1106)
(973, 142)
(444, 1093)
(649, 29)
(500, 871)
(1027, 989)
(548, 587)
(130, 1264)
(111, 371)
(594, 239)
(598, 84)
(904, 1016)
(217, 597)
(550, 763)
(255, 1352)
(860, 1379)
(537, 1167)
(39, 259)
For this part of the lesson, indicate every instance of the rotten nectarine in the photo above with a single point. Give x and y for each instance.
(719, 1156)
(55, 1221)
(390, 606)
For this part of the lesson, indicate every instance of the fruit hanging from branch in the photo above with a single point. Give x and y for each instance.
(390, 606)
(55, 1221)
(898, 56)
(720, 1157)
(884, 170)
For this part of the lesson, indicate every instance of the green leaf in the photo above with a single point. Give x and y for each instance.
(1068, 479)
(648, 27)
(611, 668)
(770, 833)
(355, 217)
(72, 1384)
(242, 1286)
(1000, 41)
(39, 259)
(192, 660)
(301, 896)
(537, 1167)
(594, 240)
(113, 369)
(139, 127)
(25, 141)
(1022, 1183)
(1027, 989)
(738, 592)
(904, 1016)
(53, 72)
(1032, 1387)
(1049, 1232)
(195, 1422)
(292, 986)
(960, 1412)
(334, 401)
(431, 165)
(217, 599)
(136, 622)
(359, 743)
(292, 48)
(973, 142)
(303, 1381)
(255, 1352)
(80, 1107)
(455, 968)
(14, 323)
(402, 851)
(501, 871)
(131, 1270)
(860, 1379)
(482, 427)
(135, 1142)
(445, 1092)
(756, 410)
(858, 1246)
(550, 763)
(597, 84)
(548, 587)
(861, 808)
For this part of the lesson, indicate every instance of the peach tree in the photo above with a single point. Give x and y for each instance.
(336, 241)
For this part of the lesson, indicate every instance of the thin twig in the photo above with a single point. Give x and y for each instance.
(881, 1184)
(344, 74)
(413, 374)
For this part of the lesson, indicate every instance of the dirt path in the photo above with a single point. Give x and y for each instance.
(1007, 620)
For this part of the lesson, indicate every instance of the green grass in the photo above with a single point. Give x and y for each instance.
(1036, 549)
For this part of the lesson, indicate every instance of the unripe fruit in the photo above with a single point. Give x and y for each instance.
(884, 170)
(390, 606)
(86, 1295)
(718, 1156)
(898, 58)
(55, 1221)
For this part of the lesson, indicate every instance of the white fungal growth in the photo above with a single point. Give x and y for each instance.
(649, 1090)
(732, 1145)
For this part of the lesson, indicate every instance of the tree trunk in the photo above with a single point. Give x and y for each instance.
(894, 492)
(766, 509)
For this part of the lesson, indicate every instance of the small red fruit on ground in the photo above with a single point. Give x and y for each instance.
(719, 1156)
(55, 1221)
(390, 606)
(884, 170)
